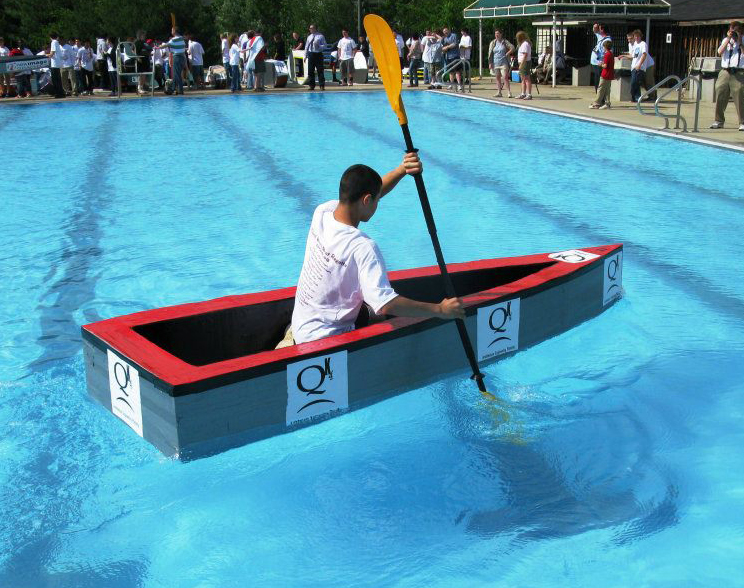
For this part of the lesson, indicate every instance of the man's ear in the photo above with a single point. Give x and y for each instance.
(367, 199)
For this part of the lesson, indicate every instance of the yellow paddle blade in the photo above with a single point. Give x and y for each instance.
(386, 54)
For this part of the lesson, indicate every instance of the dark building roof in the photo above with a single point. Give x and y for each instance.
(684, 10)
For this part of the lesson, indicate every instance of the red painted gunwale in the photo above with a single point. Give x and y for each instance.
(118, 332)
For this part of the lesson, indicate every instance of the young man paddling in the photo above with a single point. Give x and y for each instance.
(343, 267)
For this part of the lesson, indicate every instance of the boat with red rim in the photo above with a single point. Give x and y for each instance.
(198, 378)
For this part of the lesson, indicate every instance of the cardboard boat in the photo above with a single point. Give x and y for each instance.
(199, 378)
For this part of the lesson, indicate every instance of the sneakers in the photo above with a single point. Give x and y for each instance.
(528, 97)
(461, 89)
(605, 106)
(741, 127)
(521, 96)
(509, 95)
(592, 105)
(716, 125)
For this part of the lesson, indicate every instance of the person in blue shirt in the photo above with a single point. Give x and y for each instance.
(451, 53)
(598, 52)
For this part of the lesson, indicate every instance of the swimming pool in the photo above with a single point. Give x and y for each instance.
(620, 463)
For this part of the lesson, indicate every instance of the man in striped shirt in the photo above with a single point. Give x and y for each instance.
(177, 46)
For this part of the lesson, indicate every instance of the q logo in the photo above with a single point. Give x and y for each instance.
(498, 329)
(317, 386)
(612, 287)
(124, 386)
(573, 256)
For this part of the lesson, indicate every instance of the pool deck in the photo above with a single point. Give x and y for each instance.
(562, 100)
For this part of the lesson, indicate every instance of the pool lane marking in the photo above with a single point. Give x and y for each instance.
(610, 123)
(682, 277)
(538, 141)
(75, 288)
(285, 182)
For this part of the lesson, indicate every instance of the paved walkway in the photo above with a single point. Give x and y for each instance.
(569, 100)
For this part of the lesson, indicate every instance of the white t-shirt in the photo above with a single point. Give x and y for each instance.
(56, 50)
(4, 51)
(346, 48)
(86, 58)
(196, 53)
(525, 52)
(466, 46)
(75, 52)
(400, 44)
(731, 56)
(428, 45)
(234, 55)
(638, 50)
(157, 55)
(100, 49)
(225, 51)
(343, 268)
(68, 55)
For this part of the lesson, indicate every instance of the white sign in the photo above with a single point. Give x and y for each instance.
(317, 386)
(573, 256)
(125, 392)
(612, 286)
(669, 38)
(23, 65)
(498, 329)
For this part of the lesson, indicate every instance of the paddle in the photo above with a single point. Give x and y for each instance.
(386, 53)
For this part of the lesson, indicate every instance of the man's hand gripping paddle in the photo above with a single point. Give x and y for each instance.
(386, 53)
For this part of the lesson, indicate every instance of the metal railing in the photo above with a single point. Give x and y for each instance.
(125, 53)
(677, 87)
(451, 67)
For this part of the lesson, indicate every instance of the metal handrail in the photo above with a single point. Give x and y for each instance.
(675, 88)
(121, 50)
(452, 65)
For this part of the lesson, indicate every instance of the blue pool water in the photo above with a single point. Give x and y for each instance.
(614, 458)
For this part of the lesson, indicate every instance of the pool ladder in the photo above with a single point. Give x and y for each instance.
(466, 73)
(677, 87)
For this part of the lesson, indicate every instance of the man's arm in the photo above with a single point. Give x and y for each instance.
(411, 166)
(449, 308)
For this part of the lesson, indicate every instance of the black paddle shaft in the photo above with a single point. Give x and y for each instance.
(448, 287)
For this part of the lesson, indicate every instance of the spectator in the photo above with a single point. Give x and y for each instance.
(279, 49)
(363, 46)
(22, 78)
(85, 63)
(315, 44)
(544, 65)
(157, 64)
(401, 45)
(196, 56)
(500, 52)
(248, 68)
(638, 65)
(68, 71)
(451, 55)
(77, 86)
(597, 55)
(254, 66)
(430, 44)
(730, 82)
(143, 51)
(55, 66)
(234, 64)
(608, 74)
(177, 48)
(101, 62)
(110, 54)
(225, 49)
(297, 43)
(4, 78)
(346, 47)
(524, 59)
(259, 53)
(415, 55)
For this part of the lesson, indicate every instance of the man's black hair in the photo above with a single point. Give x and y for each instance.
(357, 181)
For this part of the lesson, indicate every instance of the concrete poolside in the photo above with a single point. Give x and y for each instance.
(566, 100)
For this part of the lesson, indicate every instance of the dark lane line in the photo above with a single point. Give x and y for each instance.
(255, 152)
(682, 277)
(60, 332)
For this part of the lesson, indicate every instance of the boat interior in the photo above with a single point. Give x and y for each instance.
(234, 332)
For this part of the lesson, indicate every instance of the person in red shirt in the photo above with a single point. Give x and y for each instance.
(608, 74)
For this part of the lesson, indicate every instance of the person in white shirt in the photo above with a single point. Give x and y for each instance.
(225, 49)
(55, 66)
(427, 56)
(254, 55)
(196, 57)
(730, 82)
(5, 82)
(524, 59)
(234, 62)
(68, 72)
(401, 45)
(346, 47)
(343, 270)
(100, 66)
(85, 68)
(638, 66)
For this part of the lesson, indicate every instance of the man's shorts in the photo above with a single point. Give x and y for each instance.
(260, 66)
(347, 68)
(524, 69)
(458, 67)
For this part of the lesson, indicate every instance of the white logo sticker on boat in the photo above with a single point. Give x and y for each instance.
(612, 286)
(498, 329)
(573, 256)
(317, 386)
(125, 391)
